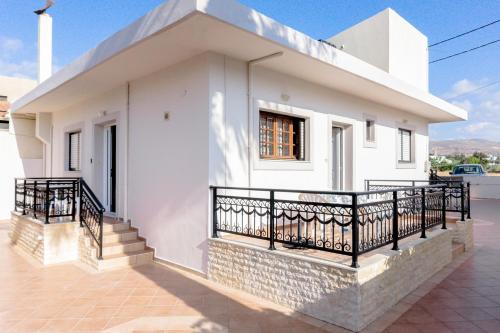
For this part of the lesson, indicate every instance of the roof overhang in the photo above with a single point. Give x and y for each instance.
(179, 30)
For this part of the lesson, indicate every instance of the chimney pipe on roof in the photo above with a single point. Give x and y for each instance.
(44, 47)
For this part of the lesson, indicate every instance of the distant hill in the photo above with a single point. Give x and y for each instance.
(467, 147)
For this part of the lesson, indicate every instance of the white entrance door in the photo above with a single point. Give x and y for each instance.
(337, 158)
(109, 169)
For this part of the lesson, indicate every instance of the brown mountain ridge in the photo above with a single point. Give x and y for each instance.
(465, 146)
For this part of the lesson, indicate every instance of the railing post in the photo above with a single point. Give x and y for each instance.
(24, 197)
(468, 200)
(47, 201)
(214, 212)
(443, 208)
(367, 185)
(395, 221)
(15, 194)
(80, 192)
(271, 222)
(462, 201)
(35, 187)
(423, 214)
(101, 234)
(73, 201)
(355, 231)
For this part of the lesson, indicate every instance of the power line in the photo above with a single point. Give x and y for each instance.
(474, 90)
(465, 33)
(466, 51)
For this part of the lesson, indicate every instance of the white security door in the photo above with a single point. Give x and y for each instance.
(109, 172)
(337, 158)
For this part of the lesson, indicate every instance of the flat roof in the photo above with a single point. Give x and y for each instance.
(178, 30)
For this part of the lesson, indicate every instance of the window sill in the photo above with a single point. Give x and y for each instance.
(405, 165)
(293, 165)
(70, 173)
(370, 144)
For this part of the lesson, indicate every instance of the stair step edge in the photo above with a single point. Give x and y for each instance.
(129, 254)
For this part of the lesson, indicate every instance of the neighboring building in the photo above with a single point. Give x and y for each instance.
(201, 93)
(440, 159)
(20, 150)
(492, 159)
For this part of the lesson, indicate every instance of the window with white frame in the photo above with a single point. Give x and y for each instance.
(404, 145)
(74, 151)
(370, 130)
(281, 137)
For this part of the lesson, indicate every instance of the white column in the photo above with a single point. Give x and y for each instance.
(44, 47)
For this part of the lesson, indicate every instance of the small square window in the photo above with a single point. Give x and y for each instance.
(370, 130)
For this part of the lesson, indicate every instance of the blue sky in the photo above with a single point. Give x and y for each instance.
(79, 25)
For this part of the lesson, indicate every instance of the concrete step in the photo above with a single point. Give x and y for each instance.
(136, 258)
(457, 249)
(119, 236)
(115, 226)
(452, 217)
(123, 247)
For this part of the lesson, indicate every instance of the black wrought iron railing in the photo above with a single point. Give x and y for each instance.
(91, 215)
(48, 199)
(457, 191)
(346, 223)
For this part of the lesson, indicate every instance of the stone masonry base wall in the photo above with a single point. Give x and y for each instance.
(47, 243)
(27, 236)
(463, 233)
(338, 294)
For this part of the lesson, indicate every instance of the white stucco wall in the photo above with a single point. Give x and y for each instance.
(15, 87)
(168, 159)
(20, 156)
(391, 43)
(20, 151)
(484, 187)
(324, 108)
(203, 142)
(89, 117)
(168, 182)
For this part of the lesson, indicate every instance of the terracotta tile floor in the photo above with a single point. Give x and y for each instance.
(69, 298)
(468, 299)
(152, 298)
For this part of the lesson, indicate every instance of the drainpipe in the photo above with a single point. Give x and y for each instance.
(250, 65)
(125, 171)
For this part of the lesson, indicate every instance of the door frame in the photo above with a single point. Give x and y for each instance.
(340, 157)
(99, 125)
(348, 151)
(109, 165)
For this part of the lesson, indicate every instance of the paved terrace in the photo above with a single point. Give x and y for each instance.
(464, 297)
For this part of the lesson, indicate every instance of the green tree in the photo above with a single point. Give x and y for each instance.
(473, 160)
(481, 158)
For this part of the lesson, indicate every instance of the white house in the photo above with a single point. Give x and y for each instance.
(20, 151)
(210, 92)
